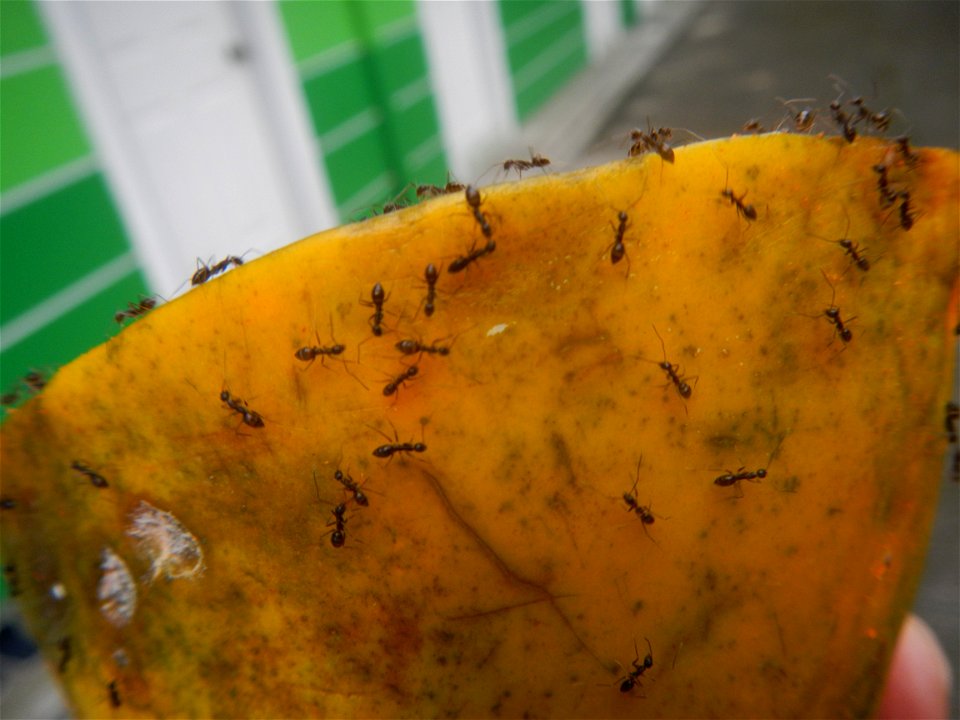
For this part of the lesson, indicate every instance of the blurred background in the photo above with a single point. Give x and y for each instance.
(139, 137)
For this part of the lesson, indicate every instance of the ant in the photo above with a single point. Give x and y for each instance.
(903, 147)
(853, 250)
(205, 272)
(35, 381)
(535, 161)
(377, 299)
(462, 262)
(473, 200)
(133, 311)
(66, 652)
(97, 479)
(339, 534)
(310, 354)
(673, 371)
(411, 347)
(950, 423)
(879, 120)
(114, 694)
(633, 504)
(350, 484)
(748, 211)
(618, 250)
(803, 119)
(629, 681)
(729, 478)
(394, 385)
(833, 315)
(652, 140)
(13, 579)
(250, 417)
(434, 190)
(887, 196)
(390, 449)
(906, 215)
(845, 122)
(431, 275)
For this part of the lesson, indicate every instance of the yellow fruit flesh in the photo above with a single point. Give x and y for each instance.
(499, 573)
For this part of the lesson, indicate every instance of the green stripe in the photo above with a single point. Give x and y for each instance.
(20, 27)
(381, 14)
(50, 243)
(313, 27)
(337, 96)
(72, 334)
(40, 129)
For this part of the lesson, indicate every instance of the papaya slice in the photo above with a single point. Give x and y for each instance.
(652, 439)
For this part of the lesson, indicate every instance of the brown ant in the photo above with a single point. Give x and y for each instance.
(394, 385)
(473, 200)
(35, 381)
(629, 681)
(431, 275)
(845, 122)
(412, 347)
(205, 272)
(66, 652)
(673, 371)
(887, 196)
(250, 417)
(950, 422)
(879, 120)
(390, 449)
(377, 299)
(907, 216)
(643, 512)
(350, 484)
(114, 694)
(13, 580)
(730, 478)
(853, 250)
(97, 479)
(833, 315)
(434, 190)
(462, 262)
(618, 250)
(747, 211)
(803, 119)
(338, 535)
(652, 141)
(133, 311)
(903, 147)
(535, 161)
(309, 354)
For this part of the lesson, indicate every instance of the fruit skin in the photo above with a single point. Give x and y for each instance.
(497, 573)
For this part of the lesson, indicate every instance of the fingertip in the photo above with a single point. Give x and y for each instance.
(918, 684)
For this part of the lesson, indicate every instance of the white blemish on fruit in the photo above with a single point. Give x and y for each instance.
(116, 591)
(497, 329)
(171, 549)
